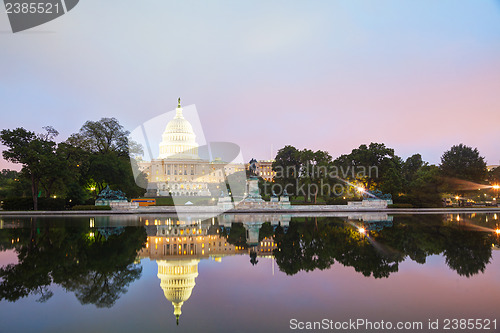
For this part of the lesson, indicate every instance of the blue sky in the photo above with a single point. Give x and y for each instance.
(419, 76)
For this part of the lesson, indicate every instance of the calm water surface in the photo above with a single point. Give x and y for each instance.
(247, 273)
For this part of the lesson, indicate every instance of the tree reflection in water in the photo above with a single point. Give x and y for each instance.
(318, 244)
(97, 269)
(98, 265)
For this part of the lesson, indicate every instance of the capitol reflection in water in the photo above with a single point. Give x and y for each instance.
(178, 246)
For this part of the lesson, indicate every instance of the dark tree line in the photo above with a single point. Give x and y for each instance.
(76, 169)
(377, 167)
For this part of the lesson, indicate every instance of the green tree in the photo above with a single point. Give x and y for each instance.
(103, 150)
(34, 152)
(409, 170)
(12, 184)
(464, 162)
(424, 190)
(371, 166)
(314, 172)
(103, 136)
(6, 176)
(494, 176)
(392, 180)
(287, 166)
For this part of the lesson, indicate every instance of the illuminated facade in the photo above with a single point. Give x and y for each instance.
(492, 167)
(179, 170)
(187, 241)
(264, 169)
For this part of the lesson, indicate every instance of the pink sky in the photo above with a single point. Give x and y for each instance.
(417, 76)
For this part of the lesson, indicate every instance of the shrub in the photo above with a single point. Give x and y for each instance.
(401, 205)
(90, 207)
(421, 200)
(20, 204)
(336, 201)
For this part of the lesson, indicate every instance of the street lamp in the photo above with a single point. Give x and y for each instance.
(496, 187)
(361, 190)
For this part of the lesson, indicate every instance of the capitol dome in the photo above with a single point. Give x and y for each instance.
(177, 281)
(178, 139)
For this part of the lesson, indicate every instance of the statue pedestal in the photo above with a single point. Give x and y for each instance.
(253, 190)
(225, 203)
(252, 229)
(108, 202)
(285, 202)
(152, 190)
(124, 205)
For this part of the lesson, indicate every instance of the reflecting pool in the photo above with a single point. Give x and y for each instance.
(250, 273)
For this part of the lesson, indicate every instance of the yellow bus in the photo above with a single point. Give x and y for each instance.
(145, 202)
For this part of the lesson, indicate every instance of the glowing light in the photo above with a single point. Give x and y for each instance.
(362, 230)
(496, 187)
(497, 231)
(457, 197)
(360, 189)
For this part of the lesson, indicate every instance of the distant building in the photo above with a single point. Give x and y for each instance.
(264, 169)
(492, 167)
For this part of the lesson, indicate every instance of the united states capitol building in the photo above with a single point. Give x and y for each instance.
(180, 171)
